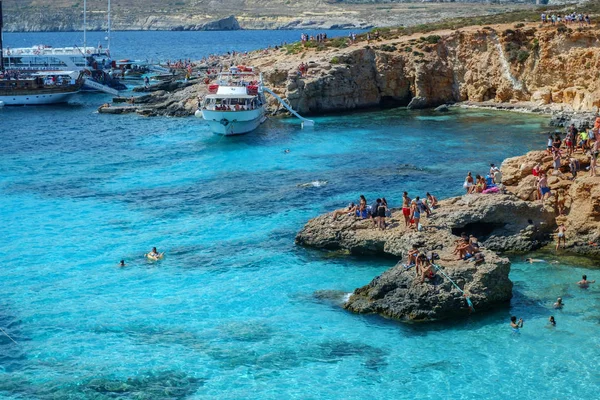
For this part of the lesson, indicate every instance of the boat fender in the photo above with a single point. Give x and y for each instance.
(198, 114)
(224, 122)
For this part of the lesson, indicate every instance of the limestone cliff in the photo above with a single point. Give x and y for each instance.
(550, 67)
(66, 15)
(581, 196)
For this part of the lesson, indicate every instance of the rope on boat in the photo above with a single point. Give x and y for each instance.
(8, 336)
(467, 298)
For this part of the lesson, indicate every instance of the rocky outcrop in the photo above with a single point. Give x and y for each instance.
(580, 196)
(500, 221)
(170, 98)
(399, 294)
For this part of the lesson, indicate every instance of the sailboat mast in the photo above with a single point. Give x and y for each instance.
(108, 36)
(1, 45)
(84, 25)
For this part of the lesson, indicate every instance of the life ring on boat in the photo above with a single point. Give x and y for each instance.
(224, 122)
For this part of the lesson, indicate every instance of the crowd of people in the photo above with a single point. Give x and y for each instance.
(573, 18)
(378, 211)
(319, 37)
(490, 183)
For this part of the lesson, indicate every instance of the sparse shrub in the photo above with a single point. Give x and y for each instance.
(339, 42)
(522, 56)
(334, 60)
(431, 39)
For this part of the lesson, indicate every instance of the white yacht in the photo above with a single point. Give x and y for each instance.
(47, 58)
(235, 103)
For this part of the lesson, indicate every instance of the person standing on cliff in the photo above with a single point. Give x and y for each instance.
(406, 208)
(468, 182)
(593, 158)
(543, 187)
(556, 158)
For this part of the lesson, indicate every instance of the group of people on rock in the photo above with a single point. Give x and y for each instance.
(516, 325)
(568, 18)
(491, 183)
(467, 248)
(425, 267)
(584, 141)
(379, 210)
(319, 37)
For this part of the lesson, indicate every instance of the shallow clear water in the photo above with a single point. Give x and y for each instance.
(231, 311)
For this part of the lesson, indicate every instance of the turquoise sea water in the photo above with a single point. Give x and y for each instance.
(231, 312)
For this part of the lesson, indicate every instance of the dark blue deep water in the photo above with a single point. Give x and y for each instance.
(230, 312)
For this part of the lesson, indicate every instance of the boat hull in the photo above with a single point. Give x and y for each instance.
(230, 123)
(36, 99)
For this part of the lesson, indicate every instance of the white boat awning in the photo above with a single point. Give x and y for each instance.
(54, 73)
(229, 96)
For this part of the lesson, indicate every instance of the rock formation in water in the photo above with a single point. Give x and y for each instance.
(500, 222)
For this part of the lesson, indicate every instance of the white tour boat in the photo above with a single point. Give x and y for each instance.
(50, 87)
(235, 103)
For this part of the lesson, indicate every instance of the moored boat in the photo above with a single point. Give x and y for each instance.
(51, 87)
(235, 103)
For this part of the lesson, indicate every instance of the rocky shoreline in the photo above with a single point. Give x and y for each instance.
(513, 221)
(531, 68)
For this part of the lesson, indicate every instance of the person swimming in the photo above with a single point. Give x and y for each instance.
(559, 304)
(516, 325)
(154, 254)
(552, 321)
(534, 260)
(122, 263)
(584, 283)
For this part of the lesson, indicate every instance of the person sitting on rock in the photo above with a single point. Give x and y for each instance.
(361, 210)
(412, 255)
(465, 250)
(459, 242)
(432, 201)
(424, 268)
(343, 211)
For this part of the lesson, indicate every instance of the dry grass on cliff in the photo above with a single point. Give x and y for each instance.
(592, 9)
